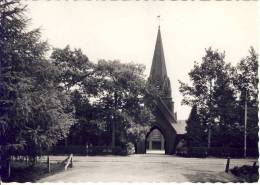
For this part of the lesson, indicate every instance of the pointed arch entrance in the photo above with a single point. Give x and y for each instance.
(154, 141)
(168, 132)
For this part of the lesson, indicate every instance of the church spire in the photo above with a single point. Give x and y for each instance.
(158, 70)
(158, 78)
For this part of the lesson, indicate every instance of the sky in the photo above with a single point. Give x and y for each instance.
(126, 31)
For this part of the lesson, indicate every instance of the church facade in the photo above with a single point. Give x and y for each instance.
(165, 117)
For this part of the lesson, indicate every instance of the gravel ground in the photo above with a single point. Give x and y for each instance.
(146, 168)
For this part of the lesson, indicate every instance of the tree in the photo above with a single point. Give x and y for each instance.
(194, 129)
(89, 128)
(75, 67)
(212, 91)
(121, 92)
(44, 113)
(34, 113)
(109, 99)
(247, 84)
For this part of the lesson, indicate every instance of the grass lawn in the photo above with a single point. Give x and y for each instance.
(20, 172)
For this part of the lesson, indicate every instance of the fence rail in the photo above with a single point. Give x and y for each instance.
(69, 162)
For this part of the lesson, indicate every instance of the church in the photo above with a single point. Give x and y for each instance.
(166, 131)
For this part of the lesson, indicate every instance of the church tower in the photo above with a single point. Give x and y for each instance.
(158, 73)
(165, 119)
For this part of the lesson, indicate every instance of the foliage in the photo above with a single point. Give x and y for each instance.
(211, 91)
(223, 152)
(90, 150)
(218, 90)
(121, 99)
(74, 66)
(34, 113)
(246, 172)
(194, 135)
(109, 99)
(90, 128)
(247, 84)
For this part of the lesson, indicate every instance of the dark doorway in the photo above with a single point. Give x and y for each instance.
(155, 142)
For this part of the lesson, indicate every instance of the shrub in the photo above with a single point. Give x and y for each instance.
(83, 150)
(215, 152)
(74, 149)
(118, 151)
(198, 152)
(130, 148)
(248, 173)
(182, 151)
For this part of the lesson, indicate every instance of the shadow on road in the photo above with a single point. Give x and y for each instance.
(212, 177)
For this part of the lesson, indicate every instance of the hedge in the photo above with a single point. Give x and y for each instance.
(83, 150)
(216, 152)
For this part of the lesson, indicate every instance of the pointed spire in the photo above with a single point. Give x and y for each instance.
(158, 70)
(159, 20)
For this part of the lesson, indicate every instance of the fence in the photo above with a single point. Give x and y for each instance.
(69, 162)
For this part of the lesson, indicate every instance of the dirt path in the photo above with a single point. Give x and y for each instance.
(146, 168)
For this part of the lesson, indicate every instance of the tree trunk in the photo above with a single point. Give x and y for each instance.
(113, 121)
(113, 134)
(66, 141)
(209, 137)
(245, 131)
(210, 113)
(48, 164)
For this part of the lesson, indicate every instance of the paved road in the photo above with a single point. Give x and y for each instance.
(146, 168)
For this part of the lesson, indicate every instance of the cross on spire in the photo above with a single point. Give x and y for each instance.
(159, 20)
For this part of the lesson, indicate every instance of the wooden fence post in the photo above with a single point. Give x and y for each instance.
(48, 164)
(71, 162)
(9, 168)
(227, 165)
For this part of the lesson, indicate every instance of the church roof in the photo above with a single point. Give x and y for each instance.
(158, 69)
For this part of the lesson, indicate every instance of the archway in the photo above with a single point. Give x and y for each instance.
(169, 135)
(155, 141)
